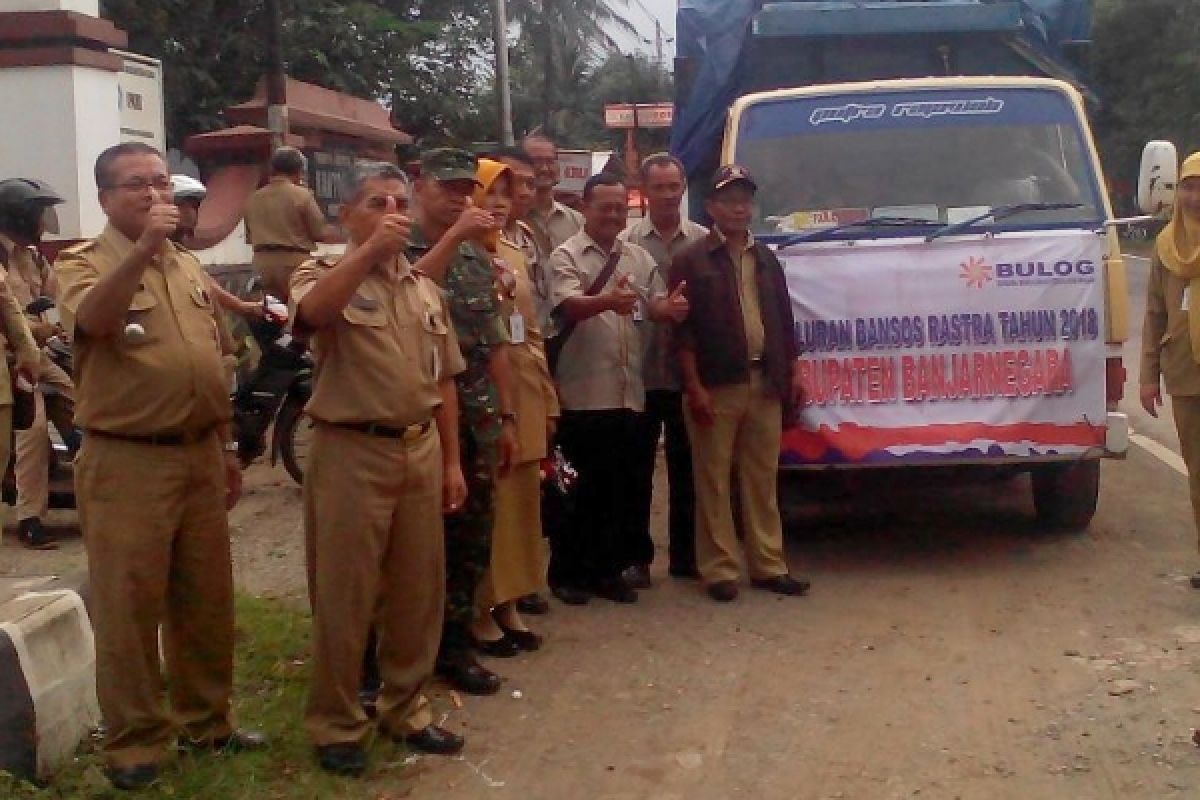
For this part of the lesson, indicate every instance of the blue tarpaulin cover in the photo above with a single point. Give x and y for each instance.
(715, 35)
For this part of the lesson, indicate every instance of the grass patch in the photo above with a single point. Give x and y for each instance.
(271, 686)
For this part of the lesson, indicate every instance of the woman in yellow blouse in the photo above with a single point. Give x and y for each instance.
(518, 562)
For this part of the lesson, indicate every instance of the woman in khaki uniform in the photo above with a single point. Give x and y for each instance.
(518, 561)
(1171, 333)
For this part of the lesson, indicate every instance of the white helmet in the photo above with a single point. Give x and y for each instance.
(185, 187)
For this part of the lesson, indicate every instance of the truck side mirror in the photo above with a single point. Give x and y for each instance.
(1157, 177)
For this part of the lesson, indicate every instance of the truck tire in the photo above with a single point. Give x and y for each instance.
(1065, 495)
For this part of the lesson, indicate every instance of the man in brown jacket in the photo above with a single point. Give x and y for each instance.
(737, 356)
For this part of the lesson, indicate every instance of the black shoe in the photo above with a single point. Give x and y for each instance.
(526, 640)
(533, 604)
(240, 741)
(637, 576)
(723, 591)
(1195, 581)
(31, 534)
(504, 647)
(132, 778)
(347, 760)
(616, 590)
(468, 675)
(687, 572)
(572, 595)
(783, 584)
(435, 741)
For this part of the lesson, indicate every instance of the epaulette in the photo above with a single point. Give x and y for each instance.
(81, 248)
(325, 262)
(525, 228)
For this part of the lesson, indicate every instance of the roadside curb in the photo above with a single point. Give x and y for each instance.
(47, 673)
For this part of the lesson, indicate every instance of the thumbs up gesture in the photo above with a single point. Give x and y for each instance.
(674, 307)
(622, 299)
(391, 232)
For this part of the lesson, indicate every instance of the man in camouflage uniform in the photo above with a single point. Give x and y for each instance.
(441, 246)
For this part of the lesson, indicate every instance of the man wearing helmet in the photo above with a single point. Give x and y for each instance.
(189, 194)
(23, 206)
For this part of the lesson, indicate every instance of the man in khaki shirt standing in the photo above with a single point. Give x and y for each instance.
(384, 467)
(664, 233)
(599, 375)
(156, 473)
(284, 222)
(551, 221)
(23, 205)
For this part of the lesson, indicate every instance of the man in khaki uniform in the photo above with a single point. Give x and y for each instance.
(552, 222)
(380, 474)
(23, 204)
(284, 222)
(155, 475)
(737, 356)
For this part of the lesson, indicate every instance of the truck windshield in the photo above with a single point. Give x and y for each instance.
(936, 155)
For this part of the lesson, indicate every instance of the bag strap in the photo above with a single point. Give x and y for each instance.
(610, 266)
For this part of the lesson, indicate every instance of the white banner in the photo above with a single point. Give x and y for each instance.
(952, 350)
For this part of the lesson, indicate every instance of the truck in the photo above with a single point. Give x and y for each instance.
(927, 175)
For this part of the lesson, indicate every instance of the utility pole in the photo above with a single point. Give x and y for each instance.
(658, 42)
(277, 117)
(503, 90)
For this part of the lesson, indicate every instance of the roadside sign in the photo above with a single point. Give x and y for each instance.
(619, 115)
(656, 115)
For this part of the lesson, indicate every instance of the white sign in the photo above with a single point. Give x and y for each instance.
(140, 100)
(619, 116)
(576, 166)
(659, 115)
(951, 350)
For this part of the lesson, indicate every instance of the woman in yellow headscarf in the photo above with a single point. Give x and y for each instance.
(1171, 333)
(518, 561)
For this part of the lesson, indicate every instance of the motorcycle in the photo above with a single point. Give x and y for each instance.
(276, 391)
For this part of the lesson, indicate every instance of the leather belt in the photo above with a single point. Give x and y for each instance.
(408, 433)
(158, 439)
(280, 248)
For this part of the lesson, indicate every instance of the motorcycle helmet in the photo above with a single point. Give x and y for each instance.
(24, 203)
(185, 187)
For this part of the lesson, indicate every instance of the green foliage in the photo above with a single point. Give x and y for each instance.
(1146, 69)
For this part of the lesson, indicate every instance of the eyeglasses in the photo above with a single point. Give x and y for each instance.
(160, 183)
(379, 202)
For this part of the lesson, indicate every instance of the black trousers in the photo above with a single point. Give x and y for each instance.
(594, 543)
(664, 418)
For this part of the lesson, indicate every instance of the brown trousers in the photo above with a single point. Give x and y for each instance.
(376, 556)
(1186, 409)
(745, 433)
(157, 538)
(32, 468)
(275, 267)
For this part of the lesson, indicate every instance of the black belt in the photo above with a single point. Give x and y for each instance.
(280, 248)
(161, 439)
(407, 433)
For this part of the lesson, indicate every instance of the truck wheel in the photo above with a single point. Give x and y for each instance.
(1065, 495)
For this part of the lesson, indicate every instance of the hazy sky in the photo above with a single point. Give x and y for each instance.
(642, 14)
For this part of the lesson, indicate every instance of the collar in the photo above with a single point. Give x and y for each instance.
(123, 244)
(718, 239)
(590, 244)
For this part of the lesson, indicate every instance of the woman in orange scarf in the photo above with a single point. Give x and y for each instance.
(518, 561)
(1171, 332)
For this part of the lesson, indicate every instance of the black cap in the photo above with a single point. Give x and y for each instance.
(731, 174)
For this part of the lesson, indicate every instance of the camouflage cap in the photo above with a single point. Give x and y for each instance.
(449, 164)
(731, 174)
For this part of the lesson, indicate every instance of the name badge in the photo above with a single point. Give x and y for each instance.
(1187, 299)
(516, 328)
(637, 312)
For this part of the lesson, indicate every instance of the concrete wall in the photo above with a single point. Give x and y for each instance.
(69, 115)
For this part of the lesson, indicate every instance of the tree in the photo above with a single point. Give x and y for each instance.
(1146, 68)
(419, 51)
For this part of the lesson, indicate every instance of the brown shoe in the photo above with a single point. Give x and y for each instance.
(783, 584)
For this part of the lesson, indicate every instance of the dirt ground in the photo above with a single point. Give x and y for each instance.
(948, 650)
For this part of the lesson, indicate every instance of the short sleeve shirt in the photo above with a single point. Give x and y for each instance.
(282, 214)
(382, 359)
(661, 372)
(600, 366)
(164, 372)
(470, 290)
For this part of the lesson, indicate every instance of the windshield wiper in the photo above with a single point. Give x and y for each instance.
(870, 222)
(996, 214)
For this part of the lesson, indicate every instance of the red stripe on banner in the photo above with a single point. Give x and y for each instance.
(855, 442)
